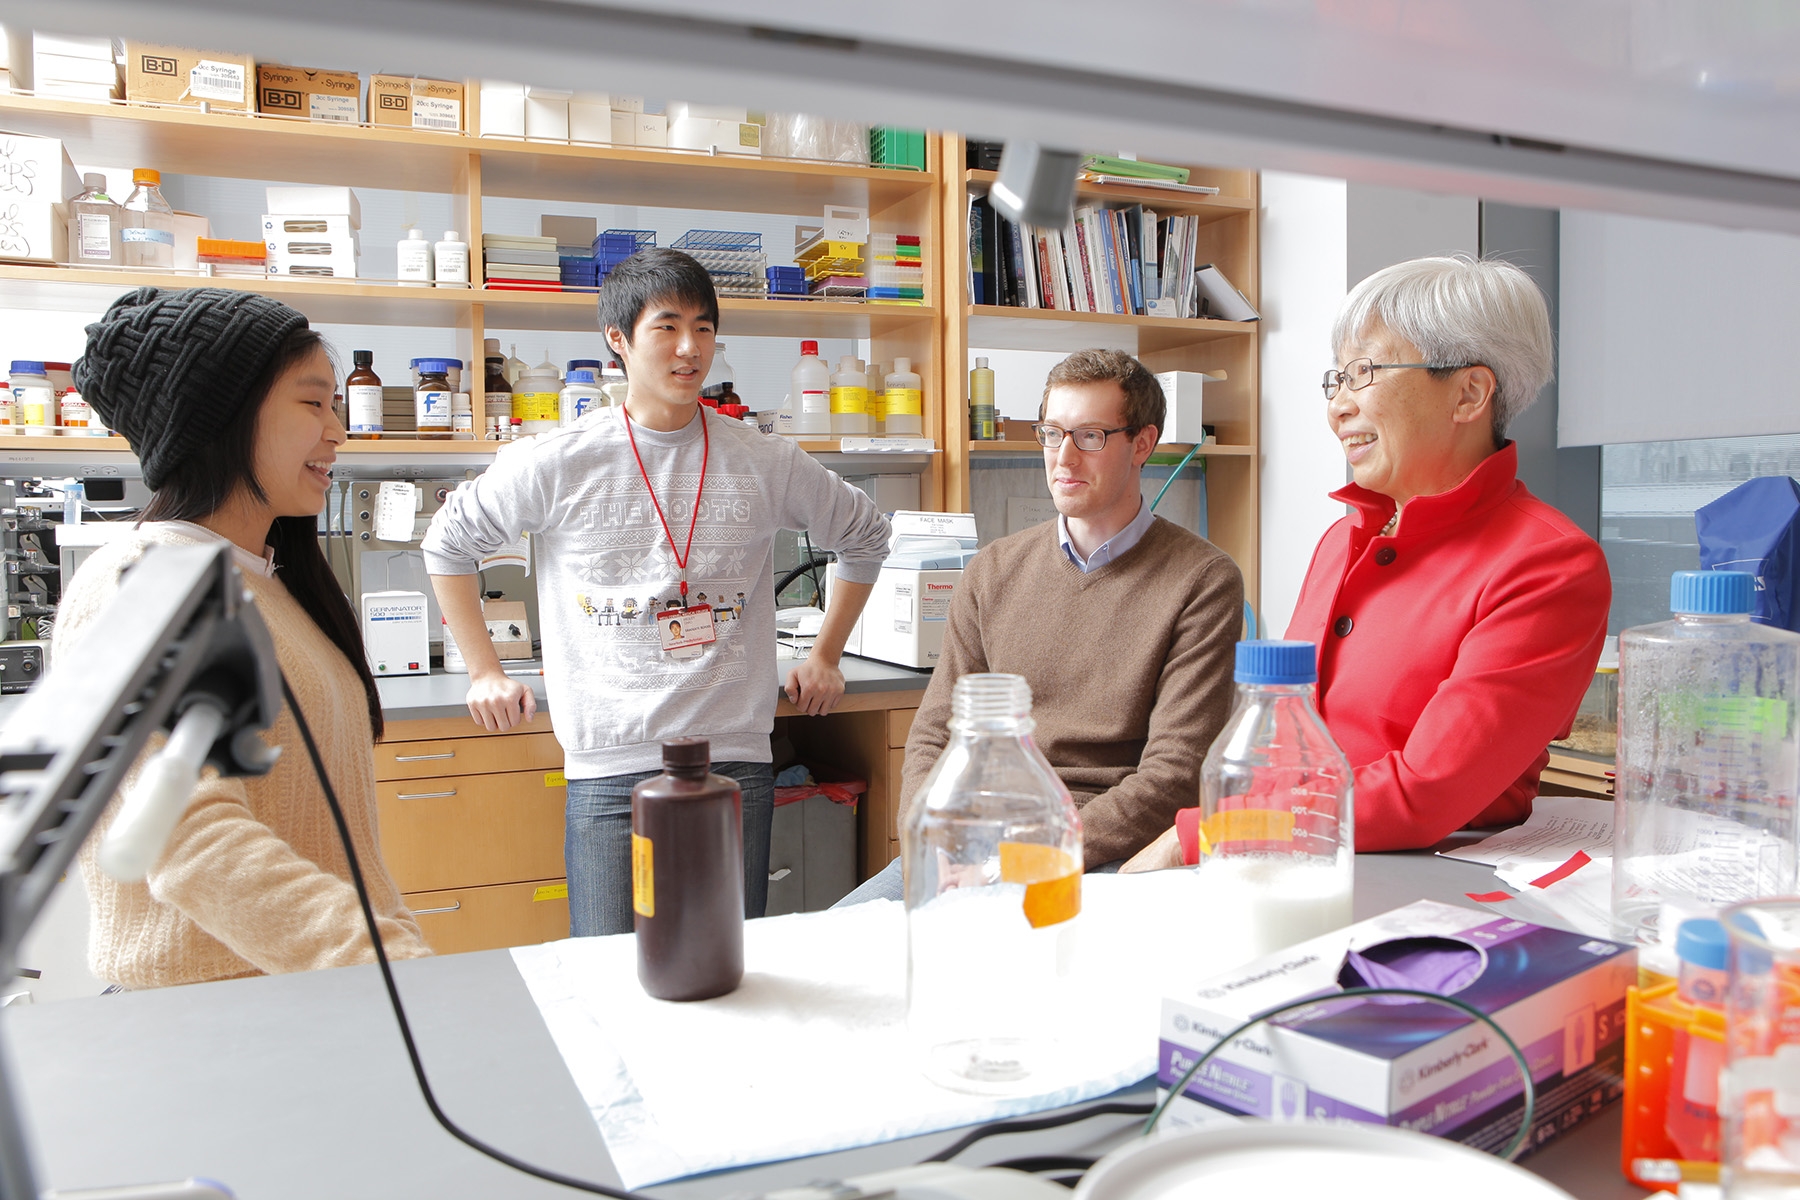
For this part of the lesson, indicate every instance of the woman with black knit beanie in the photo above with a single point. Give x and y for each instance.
(227, 399)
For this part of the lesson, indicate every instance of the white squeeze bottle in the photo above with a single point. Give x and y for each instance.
(905, 413)
(450, 261)
(850, 398)
(413, 260)
(877, 373)
(810, 396)
(1276, 806)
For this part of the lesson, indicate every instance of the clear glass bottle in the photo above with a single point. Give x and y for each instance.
(95, 224)
(148, 236)
(1708, 763)
(993, 861)
(1277, 810)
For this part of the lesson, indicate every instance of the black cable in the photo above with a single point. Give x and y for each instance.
(1032, 1124)
(393, 991)
(1530, 1086)
(1047, 1162)
(812, 565)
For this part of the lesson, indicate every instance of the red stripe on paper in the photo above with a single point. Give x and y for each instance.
(1577, 860)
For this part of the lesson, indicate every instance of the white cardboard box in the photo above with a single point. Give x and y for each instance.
(307, 225)
(98, 49)
(502, 109)
(1182, 393)
(590, 122)
(319, 256)
(624, 127)
(189, 229)
(705, 133)
(62, 67)
(36, 176)
(547, 114)
(394, 633)
(630, 104)
(310, 201)
(652, 129)
(682, 110)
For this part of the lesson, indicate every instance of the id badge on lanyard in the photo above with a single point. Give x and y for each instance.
(686, 632)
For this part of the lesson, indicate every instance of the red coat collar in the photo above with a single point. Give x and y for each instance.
(1486, 487)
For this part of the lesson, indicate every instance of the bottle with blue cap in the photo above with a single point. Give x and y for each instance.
(580, 395)
(1708, 763)
(1277, 805)
(1697, 1052)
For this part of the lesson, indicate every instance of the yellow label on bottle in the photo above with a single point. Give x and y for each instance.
(535, 406)
(1052, 880)
(1249, 825)
(849, 400)
(903, 402)
(555, 779)
(643, 876)
(550, 891)
(877, 406)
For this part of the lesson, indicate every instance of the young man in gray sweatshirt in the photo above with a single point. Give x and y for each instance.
(642, 509)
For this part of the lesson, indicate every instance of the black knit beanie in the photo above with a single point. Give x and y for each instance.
(170, 369)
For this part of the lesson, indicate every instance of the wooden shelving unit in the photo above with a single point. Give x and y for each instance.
(1228, 236)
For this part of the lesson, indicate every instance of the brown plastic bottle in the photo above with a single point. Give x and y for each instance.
(687, 876)
(499, 392)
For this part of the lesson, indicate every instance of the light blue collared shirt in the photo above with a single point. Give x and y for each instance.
(1113, 547)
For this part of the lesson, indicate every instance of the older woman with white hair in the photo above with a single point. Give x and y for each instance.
(1458, 617)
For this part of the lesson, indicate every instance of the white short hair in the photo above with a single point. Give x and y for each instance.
(1459, 310)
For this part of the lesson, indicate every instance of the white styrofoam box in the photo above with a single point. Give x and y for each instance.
(845, 224)
(99, 49)
(65, 69)
(36, 176)
(651, 129)
(624, 127)
(62, 89)
(630, 104)
(502, 109)
(547, 114)
(394, 633)
(589, 122)
(704, 133)
(307, 225)
(189, 229)
(307, 201)
(1182, 391)
(681, 109)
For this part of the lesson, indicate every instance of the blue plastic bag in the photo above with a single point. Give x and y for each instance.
(1753, 528)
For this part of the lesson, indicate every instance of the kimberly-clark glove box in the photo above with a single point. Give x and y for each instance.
(1413, 1064)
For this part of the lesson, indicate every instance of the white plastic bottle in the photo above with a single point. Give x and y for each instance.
(581, 395)
(76, 414)
(613, 384)
(95, 224)
(1277, 848)
(34, 400)
(902, 402)
(992, 847)
(877, 373)
(810, 396)
(850, 398)
(537, 399)
(450, 261)
(148, 238)
(413, 260)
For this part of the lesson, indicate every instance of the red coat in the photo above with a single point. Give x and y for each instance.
(1453, 652)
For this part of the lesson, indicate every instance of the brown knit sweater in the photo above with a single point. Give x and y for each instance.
(1129, 666)
(254, 879)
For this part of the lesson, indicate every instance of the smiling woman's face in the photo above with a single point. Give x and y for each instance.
(1401, 433)
(297, 435)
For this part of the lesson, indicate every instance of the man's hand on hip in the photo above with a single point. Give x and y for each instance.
(498, 702)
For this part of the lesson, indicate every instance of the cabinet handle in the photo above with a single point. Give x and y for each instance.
(422, 757)
(424, 795)
(426, 912)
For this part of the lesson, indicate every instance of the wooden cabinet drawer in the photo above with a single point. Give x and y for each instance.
(896, 763)
(492, 918)
(471, 830)
(899, 724)
(467, 756)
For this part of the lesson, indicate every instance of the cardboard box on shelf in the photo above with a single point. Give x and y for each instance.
(680, 110)
(574, 232)
(501, 109)
(416, 103)
(547, 114)
(508, 627)
(651, 129)
(630, 104)
(60, 89)
(101, 49)
(189, 229)
(705, 133)
(64, 69)
(179, 75)
(36, 176)
(624, 127)
(276, 226)
(298, 255)
(590, 121)
(1182, 393)
(313, 202)
(315, 95)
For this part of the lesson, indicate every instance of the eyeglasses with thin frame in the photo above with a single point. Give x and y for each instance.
(1360, 373)
(1088, 438)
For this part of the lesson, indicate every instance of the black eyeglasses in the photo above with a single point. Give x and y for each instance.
(1086, 438)
(1360, 373)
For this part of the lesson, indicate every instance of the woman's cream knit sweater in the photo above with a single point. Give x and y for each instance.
(254, 879)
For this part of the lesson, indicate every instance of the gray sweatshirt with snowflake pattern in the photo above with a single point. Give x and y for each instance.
(604, 568)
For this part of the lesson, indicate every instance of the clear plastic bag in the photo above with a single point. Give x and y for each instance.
(799, 135)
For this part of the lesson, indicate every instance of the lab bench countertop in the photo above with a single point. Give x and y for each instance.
(439, 694)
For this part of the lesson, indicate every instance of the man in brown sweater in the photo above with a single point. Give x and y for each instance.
(1124, 624)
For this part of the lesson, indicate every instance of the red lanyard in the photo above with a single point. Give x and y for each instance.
(681, 556)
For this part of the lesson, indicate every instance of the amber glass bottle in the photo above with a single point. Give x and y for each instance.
(687, 876)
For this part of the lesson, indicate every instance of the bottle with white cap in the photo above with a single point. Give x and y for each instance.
(450, 261)
(850, 398)
(413, 260)
(905, 411)
(95, 221)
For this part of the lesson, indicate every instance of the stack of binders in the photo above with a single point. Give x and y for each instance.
(516, 263)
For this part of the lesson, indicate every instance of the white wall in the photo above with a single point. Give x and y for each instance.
(1305, 249)
(1389, 225)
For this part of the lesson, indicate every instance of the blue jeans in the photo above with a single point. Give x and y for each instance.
(597, 845)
